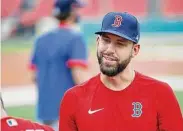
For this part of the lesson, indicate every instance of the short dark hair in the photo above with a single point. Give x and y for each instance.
(63, 16)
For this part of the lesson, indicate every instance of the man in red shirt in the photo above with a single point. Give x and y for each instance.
(119, 98)
(9, 123)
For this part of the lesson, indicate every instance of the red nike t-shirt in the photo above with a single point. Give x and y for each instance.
(145, 105)
(18, 124)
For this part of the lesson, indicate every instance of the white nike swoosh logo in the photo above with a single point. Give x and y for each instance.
(94, 111)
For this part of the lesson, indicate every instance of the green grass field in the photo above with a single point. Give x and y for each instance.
(28, 111)
(19, 45)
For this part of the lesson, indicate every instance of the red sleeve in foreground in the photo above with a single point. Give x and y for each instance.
(67, 110)
(19, 124)
(42, 127)
(169, 112)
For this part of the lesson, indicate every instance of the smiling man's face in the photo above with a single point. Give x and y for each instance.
(114, 53)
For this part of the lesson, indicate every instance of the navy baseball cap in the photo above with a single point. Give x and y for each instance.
(66, 5)
(121, 24)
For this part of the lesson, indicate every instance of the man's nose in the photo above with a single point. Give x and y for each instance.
(111, 48)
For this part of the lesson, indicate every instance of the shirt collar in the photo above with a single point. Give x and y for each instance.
(63, 25)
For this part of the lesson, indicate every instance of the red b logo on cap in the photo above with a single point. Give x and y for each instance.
(117, 21)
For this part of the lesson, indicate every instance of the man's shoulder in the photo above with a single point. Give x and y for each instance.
(151, 82)
(47, 34)
(61, 33)
(84, 88)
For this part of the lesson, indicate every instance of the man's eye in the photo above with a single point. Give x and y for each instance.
(120, 44)
(106, 40)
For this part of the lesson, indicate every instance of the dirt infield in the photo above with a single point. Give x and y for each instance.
(15, 68)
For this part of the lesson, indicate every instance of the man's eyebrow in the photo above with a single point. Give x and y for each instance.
(122, 40)
(103, 35)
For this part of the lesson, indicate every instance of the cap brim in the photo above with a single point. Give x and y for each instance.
(115, 33)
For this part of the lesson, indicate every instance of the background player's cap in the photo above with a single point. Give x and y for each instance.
(121, 24)
(67, 5)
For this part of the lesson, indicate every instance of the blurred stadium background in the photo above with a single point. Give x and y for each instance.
(161, 42)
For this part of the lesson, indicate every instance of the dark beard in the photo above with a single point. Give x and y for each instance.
(113, 71)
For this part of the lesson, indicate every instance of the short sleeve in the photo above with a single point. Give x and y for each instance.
(77, 52)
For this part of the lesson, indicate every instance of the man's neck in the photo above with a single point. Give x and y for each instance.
(120, 81)
(68, 21)
(68, 24)
(65, 23)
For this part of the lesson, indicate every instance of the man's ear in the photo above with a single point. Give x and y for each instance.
(98, 39)
(136, 49)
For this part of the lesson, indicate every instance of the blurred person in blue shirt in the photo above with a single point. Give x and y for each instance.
(59, 60)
